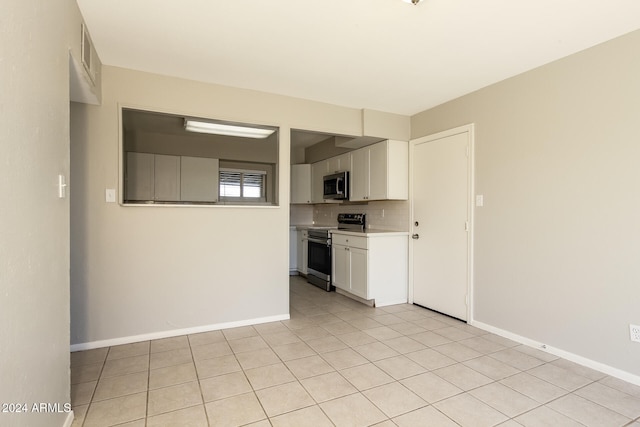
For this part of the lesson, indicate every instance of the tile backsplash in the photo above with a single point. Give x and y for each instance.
(300, 214)
(385, 215)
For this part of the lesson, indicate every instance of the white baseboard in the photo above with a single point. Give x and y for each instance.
(369, 302)
(176, 332)
(601, 367)
(69, 420)
(390, 302)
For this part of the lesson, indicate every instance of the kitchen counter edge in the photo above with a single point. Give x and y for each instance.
(372, 233)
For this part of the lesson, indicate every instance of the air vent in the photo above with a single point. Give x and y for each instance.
(87, 53)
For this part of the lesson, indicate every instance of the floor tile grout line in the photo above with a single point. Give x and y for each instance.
(146, 414)
(204, 407)
(590, 401)
(84, 420)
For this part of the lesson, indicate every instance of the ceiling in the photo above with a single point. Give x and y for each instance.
(384, 55)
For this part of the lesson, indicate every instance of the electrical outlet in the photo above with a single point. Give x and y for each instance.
(635, 332)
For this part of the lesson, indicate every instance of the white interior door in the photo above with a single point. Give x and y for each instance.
(440, 220)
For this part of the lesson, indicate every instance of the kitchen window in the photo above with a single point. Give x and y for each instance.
(242, 185)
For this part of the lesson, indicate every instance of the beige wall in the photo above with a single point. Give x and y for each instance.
(34, 222)
(138, 270)
(557, 160)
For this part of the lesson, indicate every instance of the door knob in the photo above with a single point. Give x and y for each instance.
(415, 236)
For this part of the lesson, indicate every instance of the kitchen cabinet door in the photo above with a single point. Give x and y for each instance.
(293, 250)
(139, 177)
(167, 178)
(339, 163)
(358, 268)
(303, 252)
(318, 171)
(359, 175)
(301, 183)
(374, 267)
(378, 172)
(199, 178)
(341, 267)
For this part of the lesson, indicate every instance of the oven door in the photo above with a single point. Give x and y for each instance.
(319, 258)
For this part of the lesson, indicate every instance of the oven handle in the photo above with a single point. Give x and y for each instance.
(321, 241)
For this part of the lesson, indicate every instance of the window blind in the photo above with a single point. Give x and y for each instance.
(242, 184)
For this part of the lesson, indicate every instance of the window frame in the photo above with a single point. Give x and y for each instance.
(242, 198)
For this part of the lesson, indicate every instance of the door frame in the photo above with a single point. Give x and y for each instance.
(469, 129)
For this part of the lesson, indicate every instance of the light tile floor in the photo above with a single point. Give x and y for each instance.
(337, 362)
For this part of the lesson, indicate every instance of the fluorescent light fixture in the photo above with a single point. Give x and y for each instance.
(228, 130)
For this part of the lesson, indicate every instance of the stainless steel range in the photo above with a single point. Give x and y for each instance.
(319, 249)
(352, 221)
(319, 258)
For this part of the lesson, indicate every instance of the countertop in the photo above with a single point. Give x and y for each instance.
(369, 232)
(314, 227)
(372, 232)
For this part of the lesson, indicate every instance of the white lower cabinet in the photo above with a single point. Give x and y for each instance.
(293, 250)
(302, 252)
(373, 266)
(341, 267)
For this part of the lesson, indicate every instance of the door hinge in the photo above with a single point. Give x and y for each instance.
(466, 226)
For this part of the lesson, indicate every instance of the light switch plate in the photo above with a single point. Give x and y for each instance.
(110, 195)
(62, 186)
(479, 200)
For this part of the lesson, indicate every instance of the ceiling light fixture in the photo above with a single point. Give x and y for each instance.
(413, 2)
(228, 130)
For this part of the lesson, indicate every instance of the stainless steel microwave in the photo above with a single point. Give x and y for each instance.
(336, 186)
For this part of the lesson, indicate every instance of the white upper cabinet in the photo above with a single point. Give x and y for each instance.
(322, 168)
(359, 176)
(301, 183)
(380, 172)
(339, 163)
(139, 176)
(199, 178)
(376, 172)
(318, 171)
(167, 178)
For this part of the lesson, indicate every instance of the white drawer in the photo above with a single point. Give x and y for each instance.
(349, 240)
